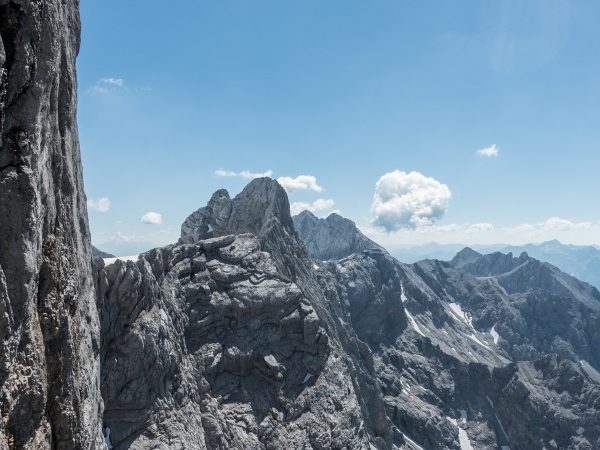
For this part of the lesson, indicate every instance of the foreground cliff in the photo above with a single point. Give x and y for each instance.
(49, 359)
(235, 338)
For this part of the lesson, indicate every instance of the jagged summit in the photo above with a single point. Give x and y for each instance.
(262, 202)
(332, 238)
(465, 256)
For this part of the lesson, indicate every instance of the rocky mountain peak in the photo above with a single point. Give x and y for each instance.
(332, 238)
(466, 255)
(254, 210)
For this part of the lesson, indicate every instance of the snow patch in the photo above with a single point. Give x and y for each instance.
(307, 377)
(580, 431)
(403, 296)
(413, 322)
(495, 334)
(226, 396)
(592, 373)
(460, 314)
(352, 284)
(413, 443)
(463, 415)
(463, 440)
(107, 438)
(497, 418)
(463, 437)
(316, 267)
(474, 339)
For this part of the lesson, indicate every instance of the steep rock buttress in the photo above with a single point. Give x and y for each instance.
(49, 354)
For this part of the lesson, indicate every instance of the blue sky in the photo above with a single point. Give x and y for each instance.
(345, 92)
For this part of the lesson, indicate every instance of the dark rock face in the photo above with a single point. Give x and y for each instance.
(49, 359)
(235, 338)
(96, 253)
(332, 238)
(217, 343)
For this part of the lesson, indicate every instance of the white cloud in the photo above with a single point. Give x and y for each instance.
(119, 82)
(563, 224)
(317, 206)
(489, 152)
(101, 205)
(243, 174)
(152, 218)
(106, 85)
(120, 238)
(408, 200)
(300, 183)
(553, 224)
(567, 231)
(480, 228)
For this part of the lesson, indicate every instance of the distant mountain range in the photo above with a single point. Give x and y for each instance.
(99, 253)
(582, 262)
(259, 330)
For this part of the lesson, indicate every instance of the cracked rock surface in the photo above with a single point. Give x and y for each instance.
(235, 338)
(49, 328)
(334, 237)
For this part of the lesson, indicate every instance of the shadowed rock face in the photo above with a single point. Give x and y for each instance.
(332, 238)
(97, 253)
(225, 340)
(49, 331)
(235, 338)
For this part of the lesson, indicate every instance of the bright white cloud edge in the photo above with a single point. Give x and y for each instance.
(489, 152)
(318, 206)
(152, 218)
(101, 204)
(243, 174)
(300, 183)
(408, 200)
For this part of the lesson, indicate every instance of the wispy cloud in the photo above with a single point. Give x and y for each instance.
(243, 174)
(300, 183)
(408, 200)
(152, 218)
(554, 224)
(106, 85)
(101, 205)
(480, 228)
(319, 205)
(488, 152)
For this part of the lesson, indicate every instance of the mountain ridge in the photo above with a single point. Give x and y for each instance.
(386, 331)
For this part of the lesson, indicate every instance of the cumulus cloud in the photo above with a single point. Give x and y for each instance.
(408, 200)
(152, 218)
(489, 152)
(300, 183)
(101, 205)
(319, 205)
(243, 174)
(480, 228)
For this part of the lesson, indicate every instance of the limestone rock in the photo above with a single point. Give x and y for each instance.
(332, 238)
(49, 359)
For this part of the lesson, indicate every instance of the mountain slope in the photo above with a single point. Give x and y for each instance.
(97, 253)
(235, 338)
(580, 261)
(332, 238)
